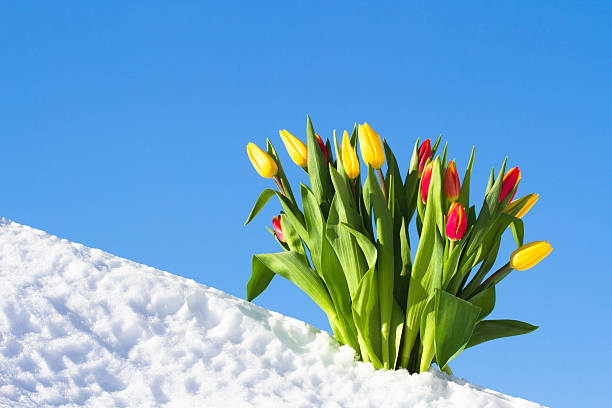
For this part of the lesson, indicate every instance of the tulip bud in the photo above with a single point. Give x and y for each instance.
(451, 182)
(511, 180)
(278, 230)
(424, 154)
(371, 147)
(322, 146)
(525, 204)
(263, 163)
(529, 255)
(296, 149)
(350, 162)
(425, 181)
(456, 222)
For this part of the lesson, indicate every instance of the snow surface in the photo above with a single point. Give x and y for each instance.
(79, 326)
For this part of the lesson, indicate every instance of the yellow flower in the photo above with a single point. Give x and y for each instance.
(350, 162)
(371, 147)
(263, 163)
(296, 149)
(529, 255)
(523, 205)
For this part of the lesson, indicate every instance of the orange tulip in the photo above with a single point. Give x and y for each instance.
(451, 182)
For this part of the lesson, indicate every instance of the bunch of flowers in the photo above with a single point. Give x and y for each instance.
(348, 246)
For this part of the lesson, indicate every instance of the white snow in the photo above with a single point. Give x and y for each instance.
(81, 327)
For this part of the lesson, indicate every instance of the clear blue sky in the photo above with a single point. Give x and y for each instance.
(124, 126)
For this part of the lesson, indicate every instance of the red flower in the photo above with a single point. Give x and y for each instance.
(322, 146)
(424, 154)
(456, 223)
(425, 181)
(511, 180)
(451, 182)
(278, 230)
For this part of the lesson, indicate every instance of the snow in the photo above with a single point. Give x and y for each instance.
(81, 327)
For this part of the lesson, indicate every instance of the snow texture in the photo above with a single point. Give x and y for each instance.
(81, 327)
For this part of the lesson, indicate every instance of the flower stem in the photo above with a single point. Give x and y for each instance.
(280, 185)
(496, 277)
(450, 248)
(382, 182)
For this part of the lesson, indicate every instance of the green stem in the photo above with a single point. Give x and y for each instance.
(382, 183)
(280, 186)
(496, 277)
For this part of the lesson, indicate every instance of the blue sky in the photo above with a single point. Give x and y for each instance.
(124, 128)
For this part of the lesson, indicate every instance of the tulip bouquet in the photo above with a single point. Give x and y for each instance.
(348, 246)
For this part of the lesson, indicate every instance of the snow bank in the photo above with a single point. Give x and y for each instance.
(79, 326)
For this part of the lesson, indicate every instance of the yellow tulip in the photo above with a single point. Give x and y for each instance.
(529, 255)
(371, 147)
(296, 149)
(350, 162)
(524, 203)
(263, 163)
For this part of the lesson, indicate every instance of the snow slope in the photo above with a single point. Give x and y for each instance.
(79, 326)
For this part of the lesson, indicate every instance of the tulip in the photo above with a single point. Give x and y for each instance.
(371, 147)
(456, 222)
(510, 181)
(425, 181)
(322, 146)
(263, 163)
(278, 230)
(451, 182)
(296, 149)
(529, 255)
(424, 154)
(527, 202)
(350, 162)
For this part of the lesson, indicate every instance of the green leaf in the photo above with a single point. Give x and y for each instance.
(464, 194)
(444, 156)
(374, 198)
(262, 200)
(434, 148)
(294, 242)
(427, 332)
(280, 173)
(318, 170)
(261, 276)
(344, 243)
(427, 266)
(455, 321)
(366, 314)
(518, 230)
(494, 329)
(294, 267)
(485, 300)
(451, 263)
(412, 183)
(403, 280)
(327, 265)
(367, 247)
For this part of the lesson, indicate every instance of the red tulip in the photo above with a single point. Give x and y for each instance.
(322, 146)
(511, 180)
(425, 181)
(456, 223)
(451, 182)
(278, 230)
(424, 154)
